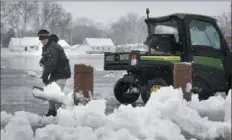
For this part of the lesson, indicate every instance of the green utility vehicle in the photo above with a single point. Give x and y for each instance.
(175, 38)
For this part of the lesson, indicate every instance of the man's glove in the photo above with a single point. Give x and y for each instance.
(41, 63)
(46, 82)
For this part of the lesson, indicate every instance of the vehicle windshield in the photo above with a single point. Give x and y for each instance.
(164, 37)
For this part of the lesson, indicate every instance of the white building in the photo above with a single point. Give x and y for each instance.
(25, 44)
(30, 44)
(99, 45)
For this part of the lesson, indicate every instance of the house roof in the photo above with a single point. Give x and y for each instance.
(99, 42)
(63, 43)
(26, 41)
(32, 41)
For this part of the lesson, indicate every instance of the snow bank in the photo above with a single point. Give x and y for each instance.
(213, 108)
(227, 108)
(5, 117)
(110, 75)
(165, 116)
(34, 119)
(17, 129)
(171, 105)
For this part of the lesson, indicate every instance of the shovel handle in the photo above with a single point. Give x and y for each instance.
(39, 88)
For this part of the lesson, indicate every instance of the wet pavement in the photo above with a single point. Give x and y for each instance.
(16, 84)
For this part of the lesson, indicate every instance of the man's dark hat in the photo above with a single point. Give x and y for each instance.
(43, 34)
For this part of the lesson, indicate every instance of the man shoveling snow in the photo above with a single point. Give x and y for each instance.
(55, 63)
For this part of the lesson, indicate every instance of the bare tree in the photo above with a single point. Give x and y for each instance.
(17, 15)
(4, 6)
(45, 14)
(36, 15)
(25, 9)
(128, 29)
(85, 21)
(84, 27)
(64, 23)
(224, 21)
(50, 15)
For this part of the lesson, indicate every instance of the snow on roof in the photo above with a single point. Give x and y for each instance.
(26, 41)
(75, 46)
(32, 41)
(98, 42)
(82, 49)
(63, 43)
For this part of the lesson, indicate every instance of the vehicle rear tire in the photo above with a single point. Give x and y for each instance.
(119, 92)
(146, 89)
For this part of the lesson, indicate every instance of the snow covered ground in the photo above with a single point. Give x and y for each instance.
(165, 117)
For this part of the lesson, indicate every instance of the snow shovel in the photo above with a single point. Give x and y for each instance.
(38, 92)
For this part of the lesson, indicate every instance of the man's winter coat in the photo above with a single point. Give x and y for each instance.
(54, 61)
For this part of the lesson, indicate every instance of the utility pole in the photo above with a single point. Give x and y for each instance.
(71, 33)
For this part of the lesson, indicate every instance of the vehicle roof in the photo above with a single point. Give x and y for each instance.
(181, 16)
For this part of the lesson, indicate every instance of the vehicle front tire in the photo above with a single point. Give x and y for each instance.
(120, 94)
(146, 89)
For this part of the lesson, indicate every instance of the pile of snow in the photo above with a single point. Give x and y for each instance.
(213, 108)
(32, 73)
(34, 119)
(75, 46)
(109, 75)
(165, 116)
(227, 108)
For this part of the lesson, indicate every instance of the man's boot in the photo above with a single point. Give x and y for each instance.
(51, 113)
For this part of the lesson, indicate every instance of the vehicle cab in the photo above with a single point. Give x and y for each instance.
(196, 39)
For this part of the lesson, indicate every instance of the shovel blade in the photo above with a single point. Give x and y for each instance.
(38, 92)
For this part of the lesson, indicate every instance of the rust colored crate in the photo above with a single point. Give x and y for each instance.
(182, 75)
(83, 68)
(83, 80)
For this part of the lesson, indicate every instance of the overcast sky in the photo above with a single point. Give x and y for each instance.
(107, 12)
